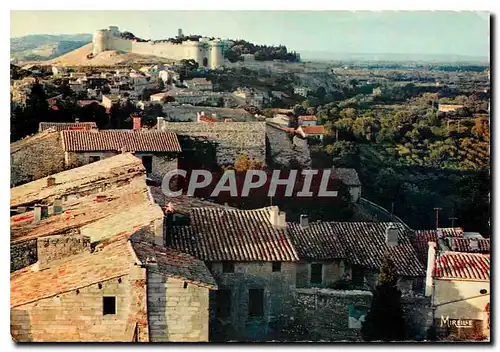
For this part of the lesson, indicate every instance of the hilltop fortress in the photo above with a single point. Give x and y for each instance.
(207, 53)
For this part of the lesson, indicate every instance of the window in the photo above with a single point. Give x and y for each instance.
(209, 265)
(223, 303)
(255, 302)
(358, 276)
(147, 161)
(276, 266)
(227, 267)
(94, 158)
(316, 273)
(108, 305)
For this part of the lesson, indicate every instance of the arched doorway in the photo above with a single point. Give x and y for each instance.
(205, 62)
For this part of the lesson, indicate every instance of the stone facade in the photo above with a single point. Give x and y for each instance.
(326, 313)
(23, 254)
(77, 315)
(232, 138)
(462, 299)
(283, 149)
(177, 311)
(60, 246)
(161, 162)
(332, 271)
(36, 157)
(278, 297)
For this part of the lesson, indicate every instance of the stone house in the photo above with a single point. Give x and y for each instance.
(121, 291)
(260, 261)
(308, 120)
(109, 100)
(35, 157)
(459, 286)
(88, 262)
(230, 139)
(157, 150)
(350, 178)
(97, 201)
(61, 126)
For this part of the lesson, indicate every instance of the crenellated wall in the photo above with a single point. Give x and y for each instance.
(206, 54)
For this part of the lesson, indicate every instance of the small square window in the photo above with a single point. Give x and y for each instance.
(227, 267)
(108, 305)
(316, 273)
(93, 159)
(276, 266)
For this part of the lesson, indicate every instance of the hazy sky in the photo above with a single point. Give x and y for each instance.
(425, 32)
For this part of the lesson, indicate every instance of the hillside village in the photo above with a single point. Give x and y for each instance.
(99, 252)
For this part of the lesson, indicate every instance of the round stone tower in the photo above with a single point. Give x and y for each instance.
(99, 41)
(217, 57)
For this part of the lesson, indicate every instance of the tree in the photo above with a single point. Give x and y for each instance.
(385, 320)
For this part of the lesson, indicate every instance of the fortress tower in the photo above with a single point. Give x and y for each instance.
(206, 53)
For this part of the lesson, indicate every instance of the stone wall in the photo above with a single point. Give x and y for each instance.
(51, 248)
(23, 254)
(278, 297)
(325, 312)
(188, 113)
(36, 157)
(77, 315)
(332, 272)
(162, 162)
(232, 138)
(283, 149)
(418, 315)
(177, 310)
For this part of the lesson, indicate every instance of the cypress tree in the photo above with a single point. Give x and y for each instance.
(385, 320)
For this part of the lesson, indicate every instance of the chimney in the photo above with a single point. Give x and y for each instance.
(137, 123)
(51, 181)
(214, 116)
(159, 122)
(391, 235)
(100, 198)
(77, 120)
(276, 217)
(304, 221)
(57, 206)
(431, 262)
(41, 212)
(473, 244)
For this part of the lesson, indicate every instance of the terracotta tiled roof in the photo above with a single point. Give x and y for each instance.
(308, 118)
(60, 126)
(81, 270)
(318, 241)
(468, 266)
(313, 129)
(467, 244)
(247, 235)
(172, 263)
(233, 235)
(182, 204)
(348, 176)
(204, 118)
(365, 245)
(119, 140)
(421, 241)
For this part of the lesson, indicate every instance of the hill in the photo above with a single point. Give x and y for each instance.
(44, 46)
(82, 57)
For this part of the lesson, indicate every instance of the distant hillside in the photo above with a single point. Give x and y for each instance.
(440, 58)
(44, 46)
